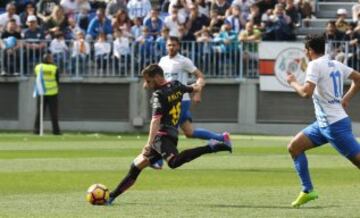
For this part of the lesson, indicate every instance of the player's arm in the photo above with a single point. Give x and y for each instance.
(157, 112)
(154, 128)
(354, 88)
(200, 82)
(305, 90)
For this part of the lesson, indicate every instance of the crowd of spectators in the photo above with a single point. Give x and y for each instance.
(76, 28)
(343, 35)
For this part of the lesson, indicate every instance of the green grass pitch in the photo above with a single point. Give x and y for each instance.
(48, 177)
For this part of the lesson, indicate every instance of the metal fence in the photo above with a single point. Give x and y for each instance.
(345, 52)
(216, 60)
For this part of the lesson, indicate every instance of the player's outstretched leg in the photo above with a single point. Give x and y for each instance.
(193, 153)
(130, 178)
(206, 134)
(297, 148)
(201, 133)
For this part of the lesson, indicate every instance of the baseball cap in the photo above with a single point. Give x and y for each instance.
(341, 11)
(31, 18)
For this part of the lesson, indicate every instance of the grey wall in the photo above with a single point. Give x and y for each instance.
(120, 105)
(9, 92)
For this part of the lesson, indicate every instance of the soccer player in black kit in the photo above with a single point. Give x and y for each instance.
(163, 133)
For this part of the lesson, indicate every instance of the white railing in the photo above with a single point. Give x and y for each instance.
(216, 60)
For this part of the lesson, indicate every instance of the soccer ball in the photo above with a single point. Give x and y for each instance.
(97, 194)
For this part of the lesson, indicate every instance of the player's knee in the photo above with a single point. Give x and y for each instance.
(173, 163)
(188, 134)
(356, 160)
(291, 149)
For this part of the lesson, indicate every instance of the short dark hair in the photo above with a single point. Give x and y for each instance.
(174, 39)
(316, 43)
(152, 70)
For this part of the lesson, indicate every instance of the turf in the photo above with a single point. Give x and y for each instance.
(48, 176)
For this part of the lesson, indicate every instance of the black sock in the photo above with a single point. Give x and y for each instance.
(127, 182)
(188, 155)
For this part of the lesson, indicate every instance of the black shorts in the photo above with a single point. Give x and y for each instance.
(164, 146)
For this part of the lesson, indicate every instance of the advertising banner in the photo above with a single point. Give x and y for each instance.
(278, 58)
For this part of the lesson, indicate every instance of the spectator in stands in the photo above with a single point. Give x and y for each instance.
(121, 51)
(226, 39)
(10, 44)
(59, 49)
(356, 12)
(136, 29)
(221, 6)
(138, 9)
(341, 24)
(9, 14)
(332, 33)
(56, 22)
(204, 7)
(154, 23)
(80, 54)
(34, 42)
(204, 38)
(102, 52)
(72, 7)
(161, 42)
(254, 16)
(122, 22)
(216, 21)
(244, 5)
(194, 23)
(72, 28)
(293, 12)
(306, 11)
(146, 42)
(236, 20)
(45, 7)
(279, 26)
(173, 22)
(355, 48)
(334, 41)
(96, 4)
(203, 35)
(83, 19)
(99, 24)
(29, 10)
(114, 6)
(21, 4)
(265, 5)
(182, 7)
(250, 37)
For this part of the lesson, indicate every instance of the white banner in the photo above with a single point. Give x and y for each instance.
(278, 58)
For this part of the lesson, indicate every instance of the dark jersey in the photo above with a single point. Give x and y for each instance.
(166, 103)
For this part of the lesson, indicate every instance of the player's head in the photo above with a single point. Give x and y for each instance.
(47, 58)
(315, 46)
(153, 76)
(173, 46)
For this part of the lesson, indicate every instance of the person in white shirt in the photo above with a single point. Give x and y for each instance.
(121, 52)
(102, 51)
(178, 67)
(136, 29)
(173, 22)
(9, 14)
(324, 83)
(138, 8)
(59, 49)
(72, 7)
(80, 54)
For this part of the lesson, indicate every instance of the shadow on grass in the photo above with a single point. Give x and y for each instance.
(239, 206)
